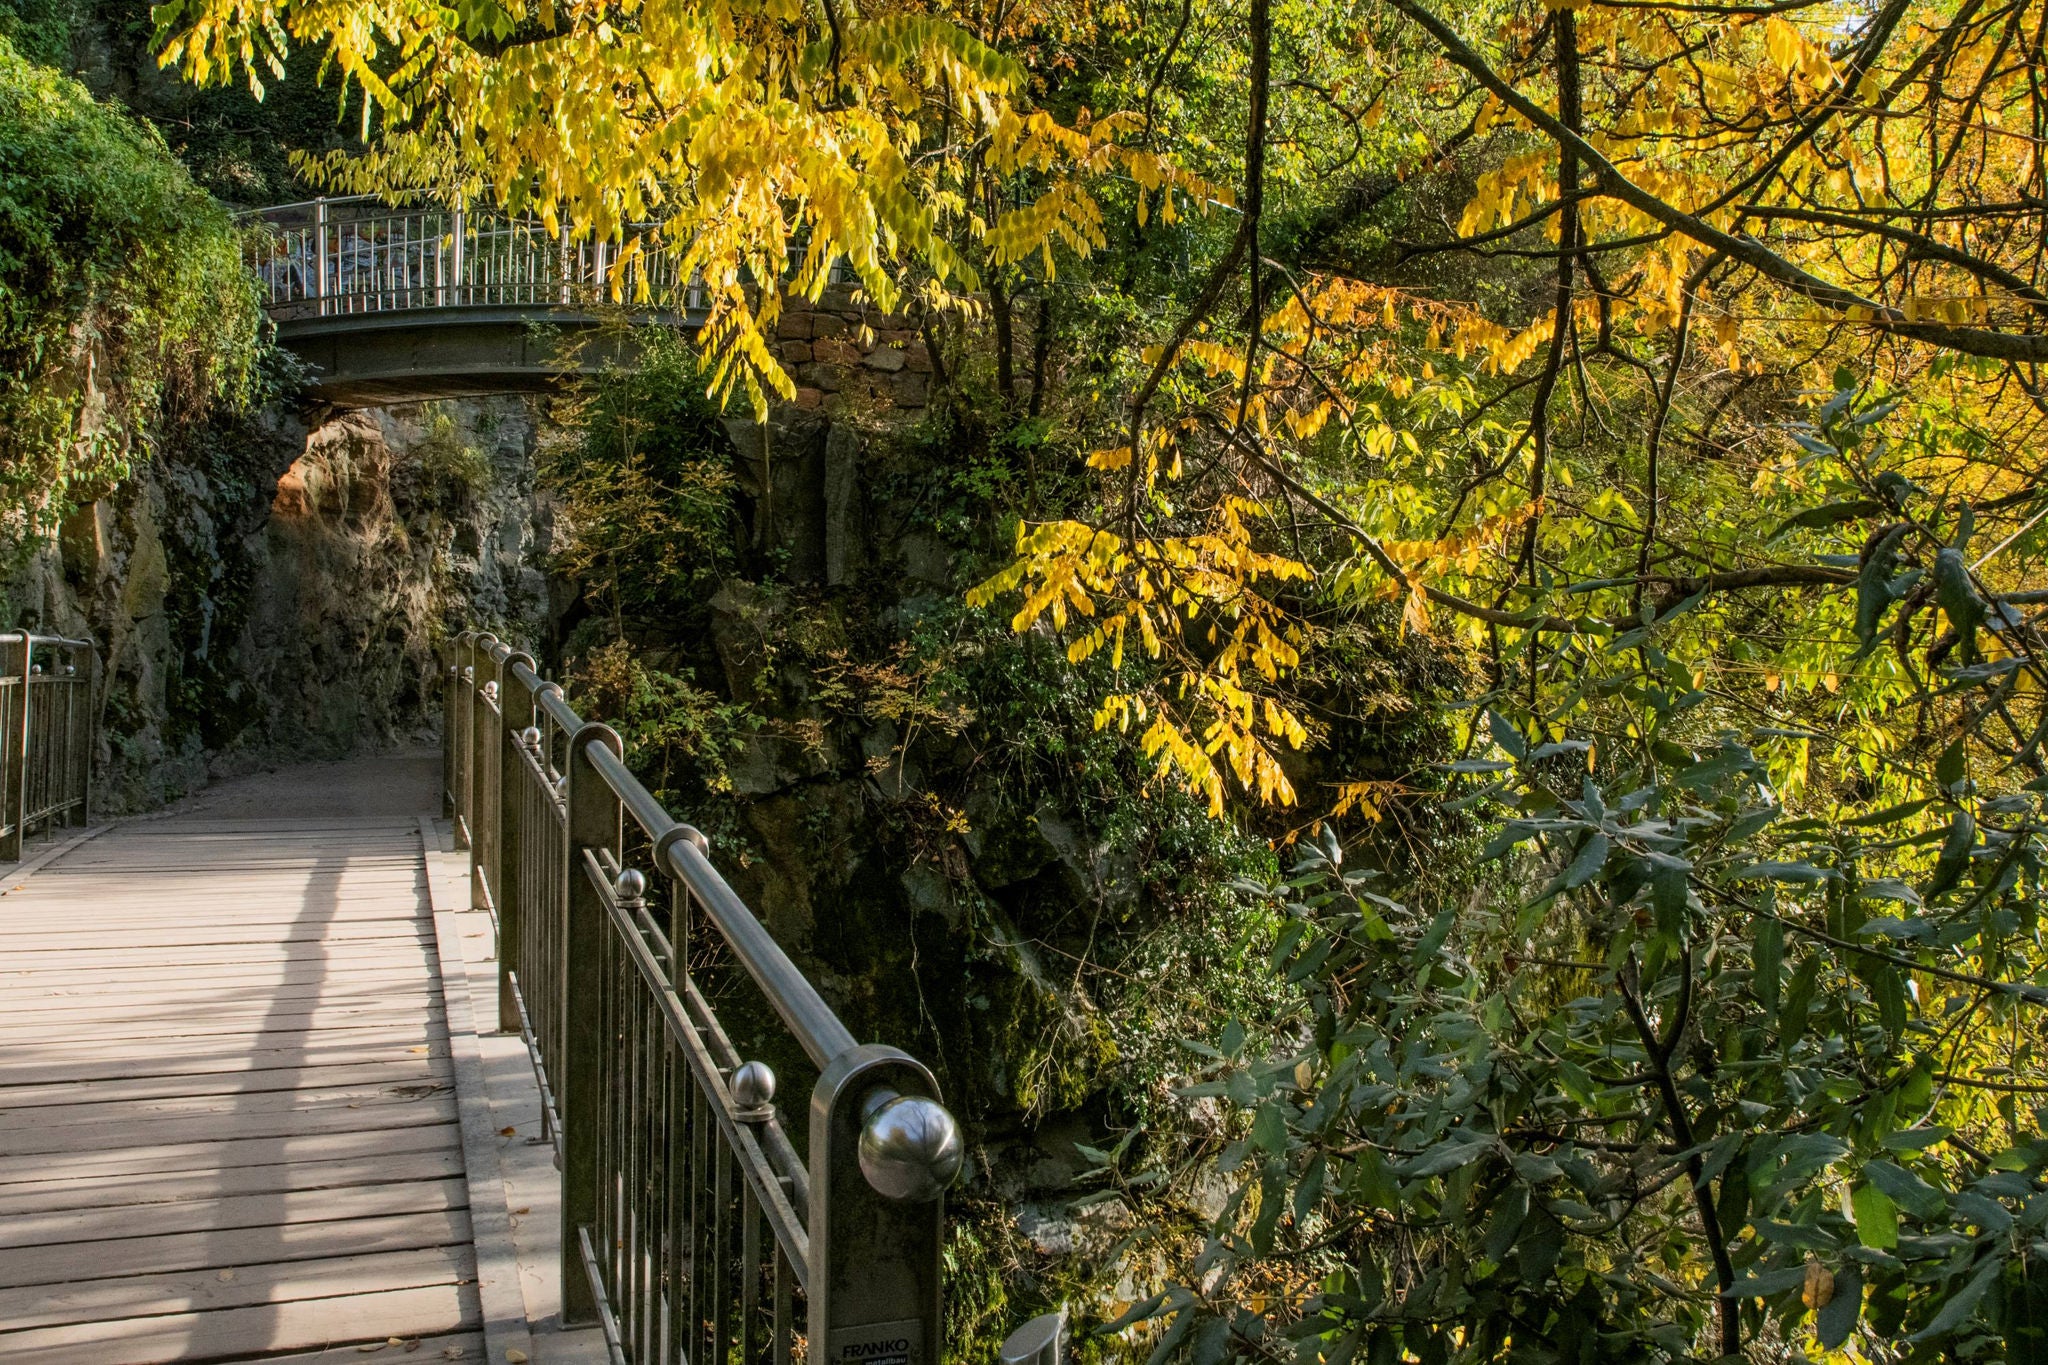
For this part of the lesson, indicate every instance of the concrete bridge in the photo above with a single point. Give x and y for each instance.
(398, 304)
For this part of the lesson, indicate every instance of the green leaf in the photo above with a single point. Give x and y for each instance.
(1832, 1324)
(1952, 766)
(1875, 590)
(1140, 1311)
(1800, 872)
(1170, 1339)
(1891, 815)
(1958, 598)
(1955, 855)
(1505, 734)
(1769, 940)
(1964, 1300)
(1592, 856)
(1447, 1155)
(1269, 1127)
(1829, 514)
(1877, 1217)
(1907, 1190)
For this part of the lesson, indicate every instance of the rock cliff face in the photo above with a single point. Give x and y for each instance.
(277, 588)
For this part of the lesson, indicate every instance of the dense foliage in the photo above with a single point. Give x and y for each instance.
(124, 296)
(1673, 369)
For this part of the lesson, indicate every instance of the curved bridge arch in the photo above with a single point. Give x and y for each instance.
(395, 305)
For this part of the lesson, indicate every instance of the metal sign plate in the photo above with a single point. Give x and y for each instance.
(878, 1343)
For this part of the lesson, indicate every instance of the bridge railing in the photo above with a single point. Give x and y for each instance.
(692, 1228)
(46, 735)
(335, 257)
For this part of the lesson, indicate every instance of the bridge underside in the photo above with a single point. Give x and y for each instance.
(372, 359)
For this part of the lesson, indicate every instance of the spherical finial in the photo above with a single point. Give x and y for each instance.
(753, 1086)
(630, 885)
(490, 691)
(529, 739)
(911, 1149)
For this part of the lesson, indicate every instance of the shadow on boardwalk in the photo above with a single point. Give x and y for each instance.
(226, 1126)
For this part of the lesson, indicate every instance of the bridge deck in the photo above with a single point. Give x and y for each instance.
(227, 1120)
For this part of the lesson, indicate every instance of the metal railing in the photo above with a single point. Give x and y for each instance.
(46, 735)
(692, 1230)
(336, 257)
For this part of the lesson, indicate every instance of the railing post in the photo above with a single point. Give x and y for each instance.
(882, 1153)
(593, 824)
(451, 702)
(465, 732)
(14, 800)
(483, 793)
(461, 285)
(509, 846)
(320, 253)
(86, 690)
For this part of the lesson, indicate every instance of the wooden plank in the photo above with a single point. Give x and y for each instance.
(287, 1047)
(299, 997)
(353, 987)
(181, 933)
(158, 1187)
(83, 1261)
(396, 1071)
(467, 1346)
(208, 1156)
(160, 1111)
(200, 1290)
(73, 1139)
(240, 1023)
(112, 978)
(138, 982)
(346, 953)
(208, 1056)
(231, 1212)
(427, 1311)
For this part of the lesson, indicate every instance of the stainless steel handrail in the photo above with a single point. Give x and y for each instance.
(674, 1155)
(47, 729)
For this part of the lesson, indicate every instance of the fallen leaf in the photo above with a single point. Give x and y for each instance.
(508, 1132)
(516, 1356)
(373, 1346)
(413, 1345)
(524, 1210)
(452, 1353)
(394, 1341)
(226, 1276)
(415, 1049)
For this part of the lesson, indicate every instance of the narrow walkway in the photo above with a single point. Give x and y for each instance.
(227, 1122)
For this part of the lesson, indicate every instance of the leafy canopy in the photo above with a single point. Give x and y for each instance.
(771, 138)
(124, 294)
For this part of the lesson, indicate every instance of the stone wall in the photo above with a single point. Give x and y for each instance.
(278, 589)
(870, 359)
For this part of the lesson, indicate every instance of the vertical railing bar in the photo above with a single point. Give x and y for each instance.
(780, 1351)
(750, 1274)
(721, 1262)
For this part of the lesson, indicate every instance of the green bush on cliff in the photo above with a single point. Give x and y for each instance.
(123, 299)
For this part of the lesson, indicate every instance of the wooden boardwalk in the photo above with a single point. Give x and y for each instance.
(227, 1121)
